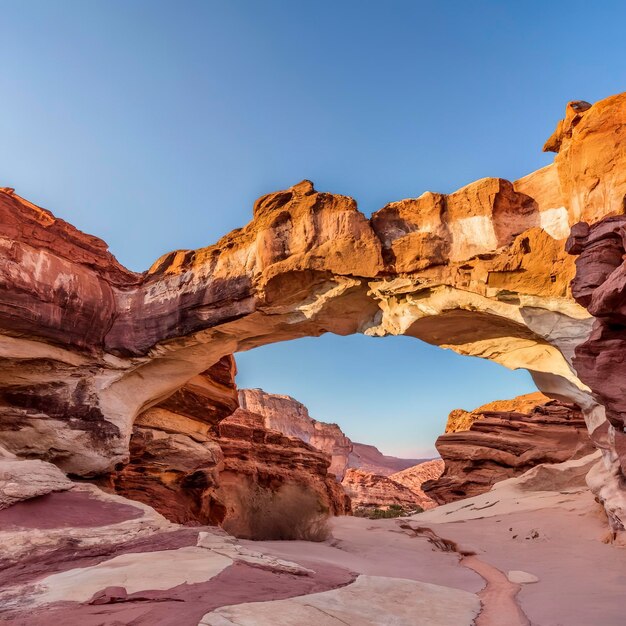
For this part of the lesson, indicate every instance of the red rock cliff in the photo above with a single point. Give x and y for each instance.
(500, 444)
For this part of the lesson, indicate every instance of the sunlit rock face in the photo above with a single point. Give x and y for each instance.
(372, 491)
(460, 419)
(290, 417)
(415, 476)
(505, 439)
(361, 469)
(368, 490)
(87, 346)
(259, 462)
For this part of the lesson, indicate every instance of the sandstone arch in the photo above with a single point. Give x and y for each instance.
(86, 345)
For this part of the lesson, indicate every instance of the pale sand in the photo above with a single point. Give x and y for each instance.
(581, 579)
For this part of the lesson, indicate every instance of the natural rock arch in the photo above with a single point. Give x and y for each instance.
(87, 345)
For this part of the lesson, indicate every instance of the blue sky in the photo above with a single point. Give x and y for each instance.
(155, 125)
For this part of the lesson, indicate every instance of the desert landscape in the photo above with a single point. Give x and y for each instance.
(312, 314)
(140, 485)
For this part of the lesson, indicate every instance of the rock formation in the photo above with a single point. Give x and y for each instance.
(599, 286)
(198, 458)
(175, 455)
(371, 491)
(258, 460)
(460, 419)
(88, 346)
(501, 444)
(414, 477)
(290, 417)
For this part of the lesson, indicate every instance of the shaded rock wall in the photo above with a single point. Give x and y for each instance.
(175, 455)
(196, 457)
(290, 417)
(503, 444)
(258, 459)
(600, 286)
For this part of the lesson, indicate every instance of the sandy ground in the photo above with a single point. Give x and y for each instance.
(528, 553)
(556, 536)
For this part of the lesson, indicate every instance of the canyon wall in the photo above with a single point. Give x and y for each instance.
(290, 417)
(372, 491)
(198, 458)
(600, 287)
(368, 490)
(370, 459)
(87, 346)
(505, 439)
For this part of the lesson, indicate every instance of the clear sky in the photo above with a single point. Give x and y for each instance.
(155, 125)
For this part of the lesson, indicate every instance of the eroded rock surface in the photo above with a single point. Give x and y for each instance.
(501, 444)
(87, 346)
(175, 455)
(460, 419)
(600, 286)
(198, 458)
(371, 491)
(22, 479)
(290, 417)
(414, 477)
(93, 558)
(259, 463)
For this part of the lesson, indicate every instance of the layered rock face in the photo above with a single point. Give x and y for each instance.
(260, 461)
(87, 346)
(501, 444)
(371, 491)
(290, 417)
(461, 420)
(197, 458)
(175, 455)
(374, 491)
(600, 286)
(414, 477)
(360, 468)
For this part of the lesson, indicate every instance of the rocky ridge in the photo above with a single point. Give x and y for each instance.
(371, 460)
(414, 477)
(500, 444)
(460, 419)
(372, 491)
(290, 417)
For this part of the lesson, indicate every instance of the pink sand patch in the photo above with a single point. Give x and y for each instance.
(69, 509)
(185, 605)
